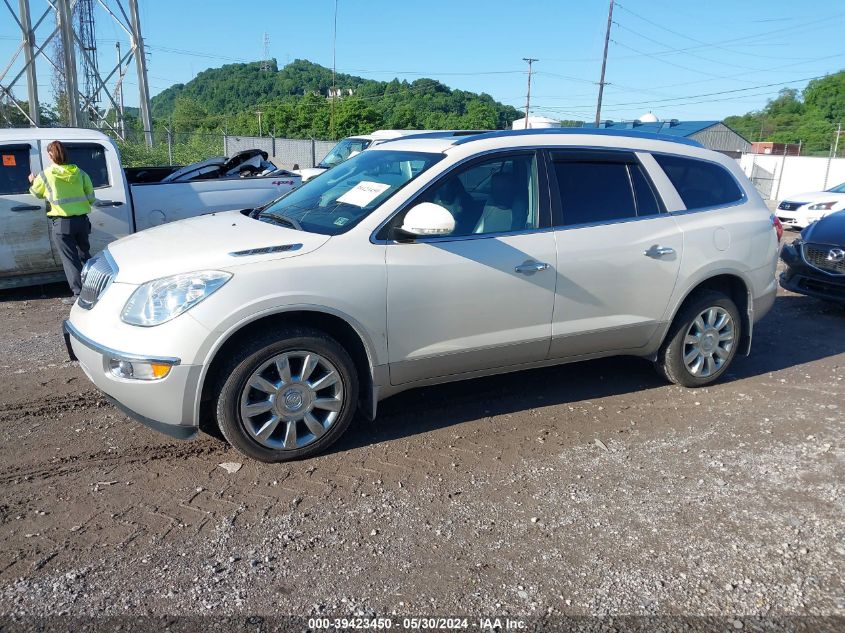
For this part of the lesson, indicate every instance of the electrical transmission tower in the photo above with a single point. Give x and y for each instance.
(265, 56)
(86, 33)
(71, 50)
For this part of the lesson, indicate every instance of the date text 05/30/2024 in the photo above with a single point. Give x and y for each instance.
(423, 623)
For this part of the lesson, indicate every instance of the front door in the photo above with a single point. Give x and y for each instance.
(24, 227)
(482, 297)
(619, 253)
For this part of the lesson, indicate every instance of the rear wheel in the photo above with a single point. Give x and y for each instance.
(287, 396)
(702, 341)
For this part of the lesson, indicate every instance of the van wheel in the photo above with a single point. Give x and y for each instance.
(702, 341)
(288, 395)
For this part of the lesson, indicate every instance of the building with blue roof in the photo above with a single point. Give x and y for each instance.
(713, 135)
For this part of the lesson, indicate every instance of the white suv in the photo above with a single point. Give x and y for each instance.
(422, 261)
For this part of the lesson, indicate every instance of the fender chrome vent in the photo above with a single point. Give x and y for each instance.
(267, 250)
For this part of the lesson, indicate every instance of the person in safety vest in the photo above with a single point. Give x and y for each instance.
(69, 191)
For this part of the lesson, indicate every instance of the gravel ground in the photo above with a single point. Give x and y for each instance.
(588, 489)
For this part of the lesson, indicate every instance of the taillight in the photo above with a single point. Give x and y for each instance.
(778, 226)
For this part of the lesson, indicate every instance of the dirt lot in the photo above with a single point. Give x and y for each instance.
(585, 489)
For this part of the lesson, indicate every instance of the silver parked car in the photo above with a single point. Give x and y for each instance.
(423, 261)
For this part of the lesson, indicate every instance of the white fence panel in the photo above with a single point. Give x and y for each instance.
(778, 177)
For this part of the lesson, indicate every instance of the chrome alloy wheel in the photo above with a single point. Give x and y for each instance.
(291, 400)
(708, 342)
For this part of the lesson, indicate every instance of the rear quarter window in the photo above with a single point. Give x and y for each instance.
(700, 183)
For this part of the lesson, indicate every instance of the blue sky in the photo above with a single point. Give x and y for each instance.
(685, 60)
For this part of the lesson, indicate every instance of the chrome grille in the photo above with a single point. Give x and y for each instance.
(97, 275)
(819, 256)
(789, 206)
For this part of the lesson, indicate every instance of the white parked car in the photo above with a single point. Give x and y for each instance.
(423, 261)
(801, 210)
(349, 147)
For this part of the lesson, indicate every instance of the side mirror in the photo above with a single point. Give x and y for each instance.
(428, 219)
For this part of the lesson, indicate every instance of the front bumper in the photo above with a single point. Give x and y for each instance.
(806, 280)
(165, 405)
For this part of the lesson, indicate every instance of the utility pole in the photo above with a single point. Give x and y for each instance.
(141, 63)
(121, 121)
(836, 142)
(604, 63)
(334, 73)
(260, 130)
(530, 61)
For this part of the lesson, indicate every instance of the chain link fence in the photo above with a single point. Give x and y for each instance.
(287, 153)
(183, 148)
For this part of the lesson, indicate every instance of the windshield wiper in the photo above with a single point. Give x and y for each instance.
(281, 220)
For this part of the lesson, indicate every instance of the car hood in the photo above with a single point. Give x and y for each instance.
(816, 196)
(829, 230)
(206, 243)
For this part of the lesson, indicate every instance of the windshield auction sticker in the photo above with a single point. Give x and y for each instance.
(363, 193)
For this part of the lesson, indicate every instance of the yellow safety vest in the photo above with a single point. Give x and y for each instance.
(67, 188)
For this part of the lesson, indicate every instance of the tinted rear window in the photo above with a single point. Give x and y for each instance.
(594, 192)
(700, 183)
(90, 158)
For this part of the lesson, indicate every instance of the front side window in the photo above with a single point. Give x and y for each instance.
(493, 196)
(14, 169)
(90, 158)
(700, 183)
(344, 150)
(335, 201)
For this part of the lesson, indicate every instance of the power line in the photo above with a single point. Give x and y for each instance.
(702, 57)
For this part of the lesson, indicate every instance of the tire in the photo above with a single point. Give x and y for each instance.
(671, 362)
(252, 391)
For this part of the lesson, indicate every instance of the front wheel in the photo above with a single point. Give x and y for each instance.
(287, 396)
(702, 341)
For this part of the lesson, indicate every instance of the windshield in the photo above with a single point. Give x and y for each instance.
(838, 188)
(342, 151)
(335, 201)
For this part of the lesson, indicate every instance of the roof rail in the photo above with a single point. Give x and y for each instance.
(441, 134)
(576, 131)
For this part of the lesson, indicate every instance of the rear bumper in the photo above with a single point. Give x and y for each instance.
(165, 405)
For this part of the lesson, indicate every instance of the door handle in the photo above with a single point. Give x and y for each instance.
(529, 268)
(108, 203)
(659, 251)
(27, 207)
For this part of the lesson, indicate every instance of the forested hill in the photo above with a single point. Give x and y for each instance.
(294, 103)
(810, 116)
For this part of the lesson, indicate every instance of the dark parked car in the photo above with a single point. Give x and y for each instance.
(816, 260)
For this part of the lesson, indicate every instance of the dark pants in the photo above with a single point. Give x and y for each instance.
(71, 239)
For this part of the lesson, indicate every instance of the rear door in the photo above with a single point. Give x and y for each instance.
(24, 228)
(618, 253)
(110, 216)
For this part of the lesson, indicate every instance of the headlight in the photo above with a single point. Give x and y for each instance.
(160, 300)
(821, 206)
